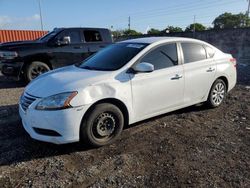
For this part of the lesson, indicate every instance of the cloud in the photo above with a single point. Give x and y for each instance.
(4, 20)
(30, 22)
(35, 17)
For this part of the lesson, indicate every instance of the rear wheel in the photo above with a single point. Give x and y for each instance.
(102, 125)
(217, 93)
(35, 69)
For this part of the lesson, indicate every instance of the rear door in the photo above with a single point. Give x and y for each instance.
(199, 70)
(94, 40)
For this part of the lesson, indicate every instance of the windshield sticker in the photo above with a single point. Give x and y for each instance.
(135, 46)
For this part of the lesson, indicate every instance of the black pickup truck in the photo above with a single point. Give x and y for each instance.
(60, 47)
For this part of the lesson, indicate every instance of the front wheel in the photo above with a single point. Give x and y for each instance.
(102, 125)
(35, 69)
(217, 93)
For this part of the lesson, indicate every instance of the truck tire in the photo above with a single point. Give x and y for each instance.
(35, 69)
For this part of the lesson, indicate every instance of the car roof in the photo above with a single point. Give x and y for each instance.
(87, 28)
(151, 40)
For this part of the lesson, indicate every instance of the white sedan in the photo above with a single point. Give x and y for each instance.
(122, 84)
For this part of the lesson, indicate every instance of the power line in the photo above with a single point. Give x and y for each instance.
(181, 6)
(189, 9)
(173, 10)
(186, 10)
(169, 9)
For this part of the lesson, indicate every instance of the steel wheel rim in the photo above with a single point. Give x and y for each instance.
(38, 70)
(218, 93)
(104, 126)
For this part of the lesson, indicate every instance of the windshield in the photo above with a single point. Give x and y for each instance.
(113, 57)
(48, 36)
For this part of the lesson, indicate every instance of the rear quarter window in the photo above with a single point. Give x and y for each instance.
(193, 52)
(210, 51)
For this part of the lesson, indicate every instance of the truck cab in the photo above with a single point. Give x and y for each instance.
(58, 48)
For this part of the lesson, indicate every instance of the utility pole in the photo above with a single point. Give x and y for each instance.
(194, 27)
(248, 9)
(129, 23)
(41, 18)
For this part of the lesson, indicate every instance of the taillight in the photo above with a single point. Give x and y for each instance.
(233, 61)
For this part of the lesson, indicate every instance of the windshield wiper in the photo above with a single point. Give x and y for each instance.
(88, 67)
(92, 68)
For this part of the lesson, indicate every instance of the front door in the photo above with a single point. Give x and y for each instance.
(71, 53)
(161, 90)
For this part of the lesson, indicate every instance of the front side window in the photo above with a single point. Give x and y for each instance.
(113, 57)
(162, 57)
(193, 52)
(75, 36)
(92, 36)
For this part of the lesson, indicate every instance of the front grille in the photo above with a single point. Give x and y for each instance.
(27, 100)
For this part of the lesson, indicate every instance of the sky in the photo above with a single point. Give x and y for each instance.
(113, 14)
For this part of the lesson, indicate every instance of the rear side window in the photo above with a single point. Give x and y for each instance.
(162, 57)
(92, 36)
(193, 52)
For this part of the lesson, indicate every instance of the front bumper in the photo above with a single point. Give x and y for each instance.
(12, 69)
(64, 122)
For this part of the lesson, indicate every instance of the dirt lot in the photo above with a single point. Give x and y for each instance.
(193, 147)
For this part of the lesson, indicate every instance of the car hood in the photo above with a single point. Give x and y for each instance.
(18, 44)
(65, 79)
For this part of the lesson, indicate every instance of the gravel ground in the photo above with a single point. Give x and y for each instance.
(192, 147)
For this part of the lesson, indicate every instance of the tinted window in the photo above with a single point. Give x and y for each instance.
(162, 57)
(193, 52)
(210, 51)
(113, 57)
(92, 36)
(74, 36)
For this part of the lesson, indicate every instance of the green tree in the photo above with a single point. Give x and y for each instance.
(197, 26)
(172, 29)
(117, 33)
(153, 31)
(229, 20)
(131, 32)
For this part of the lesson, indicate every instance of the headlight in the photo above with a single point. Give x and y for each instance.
(56, 102)
(8, 55)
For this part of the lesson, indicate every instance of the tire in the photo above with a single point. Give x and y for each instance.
(217, 93)
(102, 125)
(35, 69)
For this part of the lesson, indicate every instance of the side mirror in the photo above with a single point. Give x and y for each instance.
(63, 41)
(144, 67)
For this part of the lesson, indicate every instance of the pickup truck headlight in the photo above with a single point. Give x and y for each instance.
(56, 102)
(8, 55)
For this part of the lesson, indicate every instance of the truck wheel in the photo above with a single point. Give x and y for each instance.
(217, 93)
(102, 125)
(35, 69)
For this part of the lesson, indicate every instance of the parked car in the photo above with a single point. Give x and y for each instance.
(61, 47)
(127, 82)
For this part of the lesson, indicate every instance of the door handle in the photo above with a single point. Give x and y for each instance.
(102, 46)
(77, 47)
(176, 77)
(211, 69)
